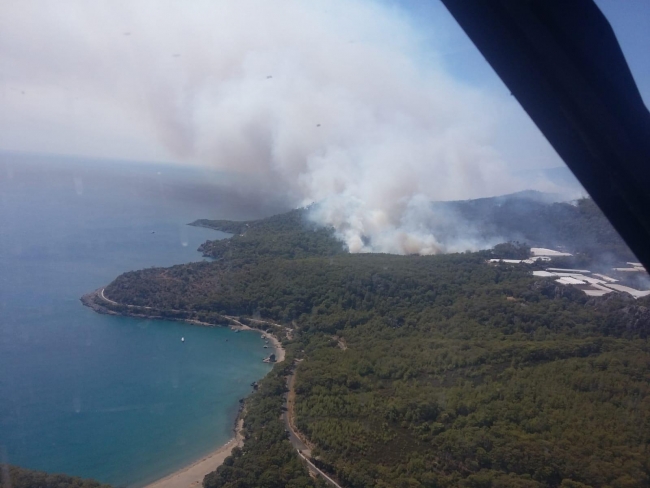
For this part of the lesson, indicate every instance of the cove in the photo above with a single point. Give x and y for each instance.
(118, 399)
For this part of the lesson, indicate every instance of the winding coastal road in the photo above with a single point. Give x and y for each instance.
(179, 480)
(101, 293)
(107, 299)
(301, 447)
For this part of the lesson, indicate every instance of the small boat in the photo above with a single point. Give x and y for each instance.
(266, 347)
(182, 339)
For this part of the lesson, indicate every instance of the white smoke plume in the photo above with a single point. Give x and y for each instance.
(337, 102)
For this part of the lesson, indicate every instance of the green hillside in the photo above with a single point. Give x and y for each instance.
(433, 371)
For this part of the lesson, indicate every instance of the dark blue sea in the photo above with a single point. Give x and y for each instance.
(118, 399)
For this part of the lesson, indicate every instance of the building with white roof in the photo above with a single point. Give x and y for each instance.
(542, 251)
(595, 285)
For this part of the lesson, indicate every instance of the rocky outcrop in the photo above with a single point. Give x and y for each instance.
(626, 315)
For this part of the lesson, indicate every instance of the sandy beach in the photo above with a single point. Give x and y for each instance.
(277, 346)
(192, 476)
(279, 350)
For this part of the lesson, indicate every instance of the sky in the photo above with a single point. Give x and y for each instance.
(60, 91)
(370, 106)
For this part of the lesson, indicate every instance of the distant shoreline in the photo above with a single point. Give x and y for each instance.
(191, 475)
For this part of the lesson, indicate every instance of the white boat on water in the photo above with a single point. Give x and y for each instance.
(182, 339)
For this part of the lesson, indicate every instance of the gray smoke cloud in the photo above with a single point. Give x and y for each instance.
(336, 102)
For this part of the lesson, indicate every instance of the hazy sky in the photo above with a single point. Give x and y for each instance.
(374, 106)
(91, 78)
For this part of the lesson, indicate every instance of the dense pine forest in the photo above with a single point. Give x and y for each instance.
(432, 371)
(15, 477)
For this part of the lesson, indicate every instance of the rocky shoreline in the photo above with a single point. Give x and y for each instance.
(98, 301)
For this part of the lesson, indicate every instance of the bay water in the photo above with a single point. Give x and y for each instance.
(118, 399)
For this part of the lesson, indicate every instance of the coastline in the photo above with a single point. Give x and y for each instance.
(192, 475)
(277, 345)
(94, 298)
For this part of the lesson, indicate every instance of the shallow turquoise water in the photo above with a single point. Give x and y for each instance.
(118, 399)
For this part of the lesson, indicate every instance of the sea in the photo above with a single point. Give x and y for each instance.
(118, 399)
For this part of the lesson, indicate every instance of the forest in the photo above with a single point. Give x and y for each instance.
(16, 477)
(531, 217)
(267, 458)
(421, 371)
(535, 218)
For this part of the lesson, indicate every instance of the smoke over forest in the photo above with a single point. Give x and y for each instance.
(330, 102)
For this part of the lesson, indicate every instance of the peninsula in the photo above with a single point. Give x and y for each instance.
(449, 370)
